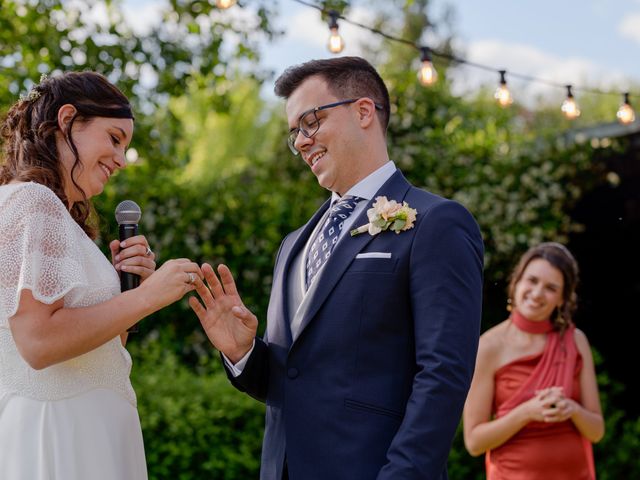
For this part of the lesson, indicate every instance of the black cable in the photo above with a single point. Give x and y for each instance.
(463, 61)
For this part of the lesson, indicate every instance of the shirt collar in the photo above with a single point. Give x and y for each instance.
(368, 186)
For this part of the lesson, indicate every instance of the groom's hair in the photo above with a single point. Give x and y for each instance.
(346, 77)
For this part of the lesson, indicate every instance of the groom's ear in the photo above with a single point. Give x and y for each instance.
(366, 111)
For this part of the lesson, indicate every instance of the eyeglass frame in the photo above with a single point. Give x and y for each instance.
(293, 133)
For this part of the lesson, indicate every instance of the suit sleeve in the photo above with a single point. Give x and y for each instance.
(255, 376)
(446, 265)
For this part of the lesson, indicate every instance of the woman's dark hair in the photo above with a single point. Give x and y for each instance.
(560, 257)
(29, 132)
(346, 77)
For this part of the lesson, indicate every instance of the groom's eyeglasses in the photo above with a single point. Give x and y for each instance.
(309, 124)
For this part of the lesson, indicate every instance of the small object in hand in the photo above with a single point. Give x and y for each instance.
(192, 277)
(148, 252)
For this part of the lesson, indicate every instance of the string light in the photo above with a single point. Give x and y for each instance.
(569, 106)
(503, 95)
(336, 43)
(224, 4)
(427, 75)
(625, 114)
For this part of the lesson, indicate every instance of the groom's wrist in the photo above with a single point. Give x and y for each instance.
(240, 354)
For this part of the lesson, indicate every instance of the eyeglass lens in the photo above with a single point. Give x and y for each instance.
(308, 125)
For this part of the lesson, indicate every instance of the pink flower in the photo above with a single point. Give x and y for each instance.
(387, 214)
(385, 208)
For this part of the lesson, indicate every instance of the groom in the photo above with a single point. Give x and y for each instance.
(371, 339)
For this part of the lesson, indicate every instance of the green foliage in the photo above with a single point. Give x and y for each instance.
(461, 465)
(616, 456)
(195, 426)
(241, 135)
(51, 35)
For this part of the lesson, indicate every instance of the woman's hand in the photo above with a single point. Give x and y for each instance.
(133, 255)
(170, 283)
(543, 406)
(561, 408)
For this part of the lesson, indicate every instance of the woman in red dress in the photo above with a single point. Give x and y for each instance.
(533, 407)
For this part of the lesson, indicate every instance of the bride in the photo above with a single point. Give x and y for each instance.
(67, 408)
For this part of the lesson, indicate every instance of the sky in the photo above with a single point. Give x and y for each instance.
(589, 43)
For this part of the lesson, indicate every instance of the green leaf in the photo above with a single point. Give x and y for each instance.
(398, 225)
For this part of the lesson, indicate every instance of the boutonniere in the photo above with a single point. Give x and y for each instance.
(387, 215)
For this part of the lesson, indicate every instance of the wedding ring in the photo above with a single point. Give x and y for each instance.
(148, 252)
(192, 277)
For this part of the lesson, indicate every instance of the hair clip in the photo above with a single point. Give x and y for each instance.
(34, 93)
(32, 96)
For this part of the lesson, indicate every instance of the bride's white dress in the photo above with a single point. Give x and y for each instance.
(76, 420)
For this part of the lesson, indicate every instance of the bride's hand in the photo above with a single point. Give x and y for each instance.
(133, 256)
(170, 283)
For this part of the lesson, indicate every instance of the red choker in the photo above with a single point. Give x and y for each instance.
(529, 326)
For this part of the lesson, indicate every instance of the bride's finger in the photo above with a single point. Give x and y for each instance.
(197, 283)
(193, 269)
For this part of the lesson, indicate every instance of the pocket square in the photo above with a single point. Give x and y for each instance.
(374, 255)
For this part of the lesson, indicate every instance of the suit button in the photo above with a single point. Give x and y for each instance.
(292, 372)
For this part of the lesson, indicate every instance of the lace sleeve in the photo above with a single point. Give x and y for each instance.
(37, 245)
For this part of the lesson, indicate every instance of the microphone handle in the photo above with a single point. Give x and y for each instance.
(128, 281)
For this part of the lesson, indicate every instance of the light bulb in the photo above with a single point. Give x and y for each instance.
(336, 43)
(625, 114)
(502, 94)
(570, 109)
(427, 75)
(569, 106)
(225, 3)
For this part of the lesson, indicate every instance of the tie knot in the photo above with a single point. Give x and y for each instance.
(327, 237)
(346, 205)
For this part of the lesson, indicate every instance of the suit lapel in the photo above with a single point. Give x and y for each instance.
(301, 237)
(345, 251)
(281, 327)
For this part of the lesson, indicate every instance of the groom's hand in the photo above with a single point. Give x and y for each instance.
(230, 326)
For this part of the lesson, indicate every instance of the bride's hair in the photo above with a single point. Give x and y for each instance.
(29, 132)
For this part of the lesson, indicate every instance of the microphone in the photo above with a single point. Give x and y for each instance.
(128, 215)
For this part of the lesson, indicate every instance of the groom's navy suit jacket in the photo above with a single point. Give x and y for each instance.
(374, 384)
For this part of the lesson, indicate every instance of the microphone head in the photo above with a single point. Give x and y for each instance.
(128, 213)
